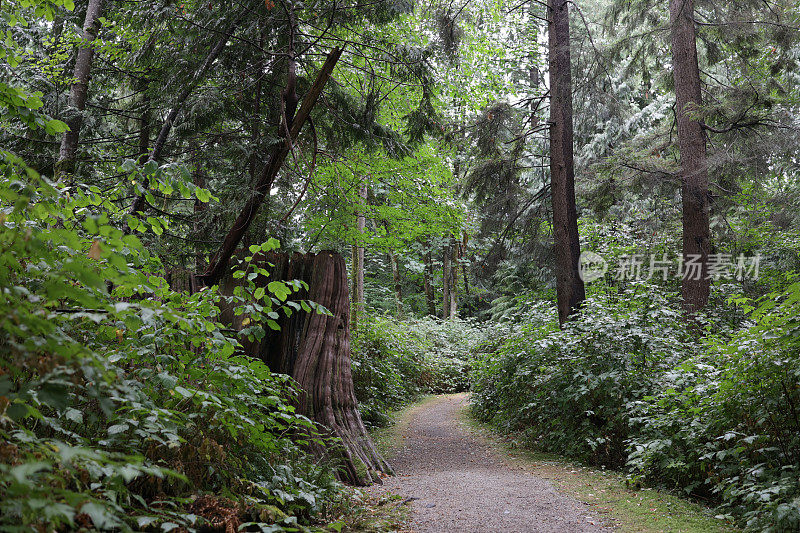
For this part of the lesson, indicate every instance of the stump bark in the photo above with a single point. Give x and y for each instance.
(314, 349)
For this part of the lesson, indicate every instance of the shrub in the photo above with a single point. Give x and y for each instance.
(387, 364)
(394, 361)
(726, 424)
(624, 384)
(569, 391)
(121, 410)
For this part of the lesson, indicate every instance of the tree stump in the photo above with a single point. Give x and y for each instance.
(314, 349)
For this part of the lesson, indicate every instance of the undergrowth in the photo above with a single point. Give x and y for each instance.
(627, 385)
(123, 404)
(395, 361)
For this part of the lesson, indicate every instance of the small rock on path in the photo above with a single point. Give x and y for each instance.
(459, 484)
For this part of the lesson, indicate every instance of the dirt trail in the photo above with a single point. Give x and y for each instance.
(460, 484)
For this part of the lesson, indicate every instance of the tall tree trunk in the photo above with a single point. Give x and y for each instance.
(358, 262)
(80, 89)
(454, 279)
(398, 288)
(692, 146)
(314, 349)
(427, 275)
(464, 244)
(446, 282)
(569, 285)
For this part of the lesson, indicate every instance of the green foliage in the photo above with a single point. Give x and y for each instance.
(394, 361)
(625, 384)
(725, 423)
(121, 400)
(386, 363)
(569, 391)
(18, 104)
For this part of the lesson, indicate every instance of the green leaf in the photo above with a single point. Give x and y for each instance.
(144, 521)
(54, 127)
(202, 194)
(24, 471)
(117, 429)
(279, 289)
(74, 415)
(186, 393)
(101, 517)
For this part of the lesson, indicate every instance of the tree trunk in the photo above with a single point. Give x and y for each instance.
(446, 282)
(314, 349)
(427, 275)
(464, 264)
(692, 146)
(454, 279)
(79, 90)
(358, 262)
(569, 285)
(398, 289)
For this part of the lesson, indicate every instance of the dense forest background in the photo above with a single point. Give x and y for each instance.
(460, 156)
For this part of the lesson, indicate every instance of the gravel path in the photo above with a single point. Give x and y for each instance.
(460, 484)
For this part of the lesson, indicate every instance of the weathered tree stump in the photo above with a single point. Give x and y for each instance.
(314, 349)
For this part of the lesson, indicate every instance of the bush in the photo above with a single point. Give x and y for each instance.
(726, 423)
(387, 364)
(624, 384)
(395, 361)
(569, 391)
(125, 410)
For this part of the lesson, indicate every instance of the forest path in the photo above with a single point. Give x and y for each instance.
(461, 484)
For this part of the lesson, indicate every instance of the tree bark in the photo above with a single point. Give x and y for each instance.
(454, 279)
(398, 288)
(569, 285)
(80, 89)
(358, 262)
(315, 350)
(464, 265)
(427, 275)
(446, 282)
(694, 169)
(219, 263)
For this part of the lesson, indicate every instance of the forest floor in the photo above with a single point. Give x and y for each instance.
(457, 476)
